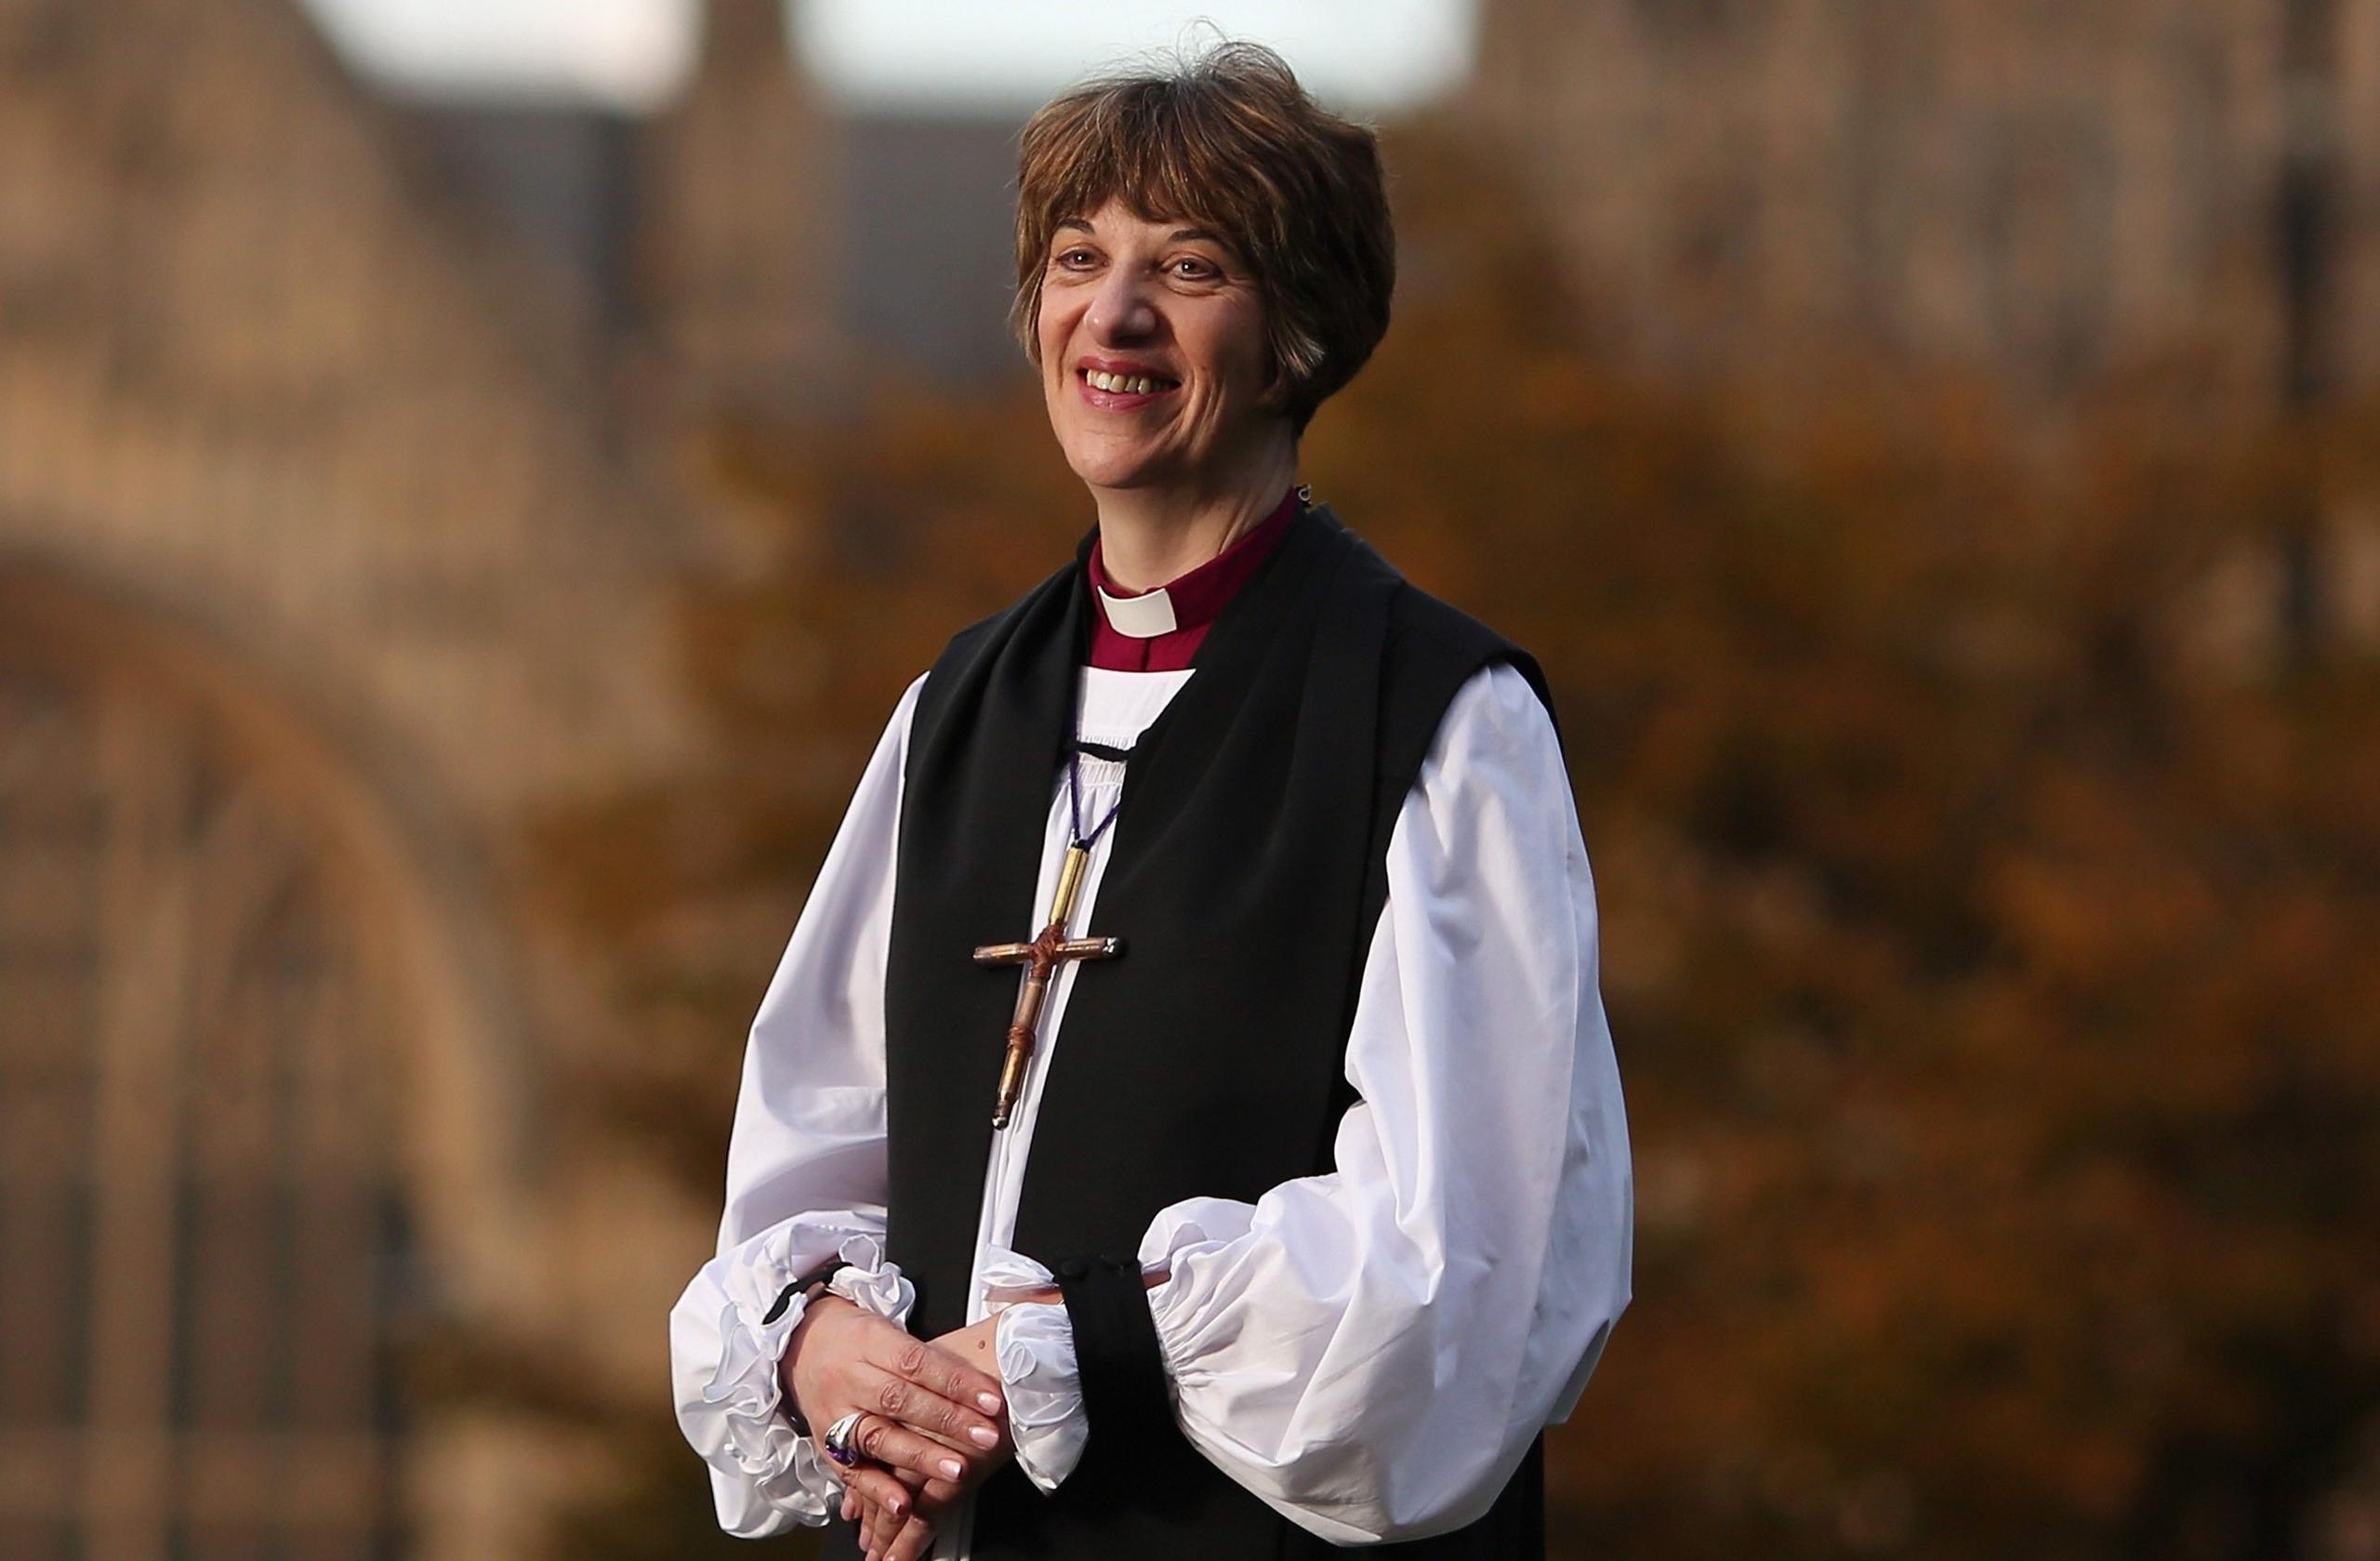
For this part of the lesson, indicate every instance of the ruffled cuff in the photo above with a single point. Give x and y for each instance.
(1034, 1344)
(1040, 1369)
(875, 1284)
(1192, 1314)
(745, 1395)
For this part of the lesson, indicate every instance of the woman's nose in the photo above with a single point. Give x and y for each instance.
(1123, 310)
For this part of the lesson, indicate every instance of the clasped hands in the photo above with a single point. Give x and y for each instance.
(933, 1423)
(934, 1417)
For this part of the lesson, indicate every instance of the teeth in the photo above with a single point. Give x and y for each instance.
(1127, 384)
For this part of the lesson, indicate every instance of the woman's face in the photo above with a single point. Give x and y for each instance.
(1154, 361)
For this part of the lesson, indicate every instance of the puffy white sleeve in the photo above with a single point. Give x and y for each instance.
(1371, 1351)
(806, 1176)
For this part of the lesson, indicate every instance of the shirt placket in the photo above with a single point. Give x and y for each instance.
(1012, 1146)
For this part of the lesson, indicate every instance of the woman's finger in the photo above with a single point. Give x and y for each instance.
(933, 1400)
(884, 1536)
(887, 1441)
(939, 1372)
(935, 1502)
(914, 1538)
(884, 1498)
(912, 1407)
(878, 1491)
(882, 1526)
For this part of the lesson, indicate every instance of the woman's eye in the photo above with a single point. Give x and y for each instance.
(1074, 257)
(1190, 268)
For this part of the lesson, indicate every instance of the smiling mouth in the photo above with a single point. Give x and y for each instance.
(1126, 384)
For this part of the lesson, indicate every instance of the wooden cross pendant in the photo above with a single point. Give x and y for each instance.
(1043, 955)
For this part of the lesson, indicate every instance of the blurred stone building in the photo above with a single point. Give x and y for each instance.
(338, 512)
(343, 481)
(2035, 196)
(1839, 204)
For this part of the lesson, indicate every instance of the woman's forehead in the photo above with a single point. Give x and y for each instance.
(1090, 214)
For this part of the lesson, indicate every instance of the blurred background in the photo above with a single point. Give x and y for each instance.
(475, 477)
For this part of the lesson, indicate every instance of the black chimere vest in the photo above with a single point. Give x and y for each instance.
(1245, 879)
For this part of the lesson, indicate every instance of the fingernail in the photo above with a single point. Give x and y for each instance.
(990, 1401)
(951, 1468)
(984, 1436)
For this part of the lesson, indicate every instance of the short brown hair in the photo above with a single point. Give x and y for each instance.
(1230, 141)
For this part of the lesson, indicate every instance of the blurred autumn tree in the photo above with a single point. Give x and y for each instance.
(1987, 921)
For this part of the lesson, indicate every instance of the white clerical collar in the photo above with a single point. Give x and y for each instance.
(1139, 617)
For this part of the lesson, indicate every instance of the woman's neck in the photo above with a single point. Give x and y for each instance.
(1150, 536)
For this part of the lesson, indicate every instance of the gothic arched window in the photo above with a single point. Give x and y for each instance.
(205, 1256)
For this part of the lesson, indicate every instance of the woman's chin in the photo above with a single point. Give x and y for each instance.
(1116, 469)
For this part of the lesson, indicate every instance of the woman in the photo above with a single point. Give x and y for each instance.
(1284, 1197)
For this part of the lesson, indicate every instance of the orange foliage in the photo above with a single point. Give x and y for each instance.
(1989, 955)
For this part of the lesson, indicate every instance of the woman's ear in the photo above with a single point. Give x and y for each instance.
(1279, 387)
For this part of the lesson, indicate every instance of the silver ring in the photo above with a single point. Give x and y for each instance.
(837, 1439)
